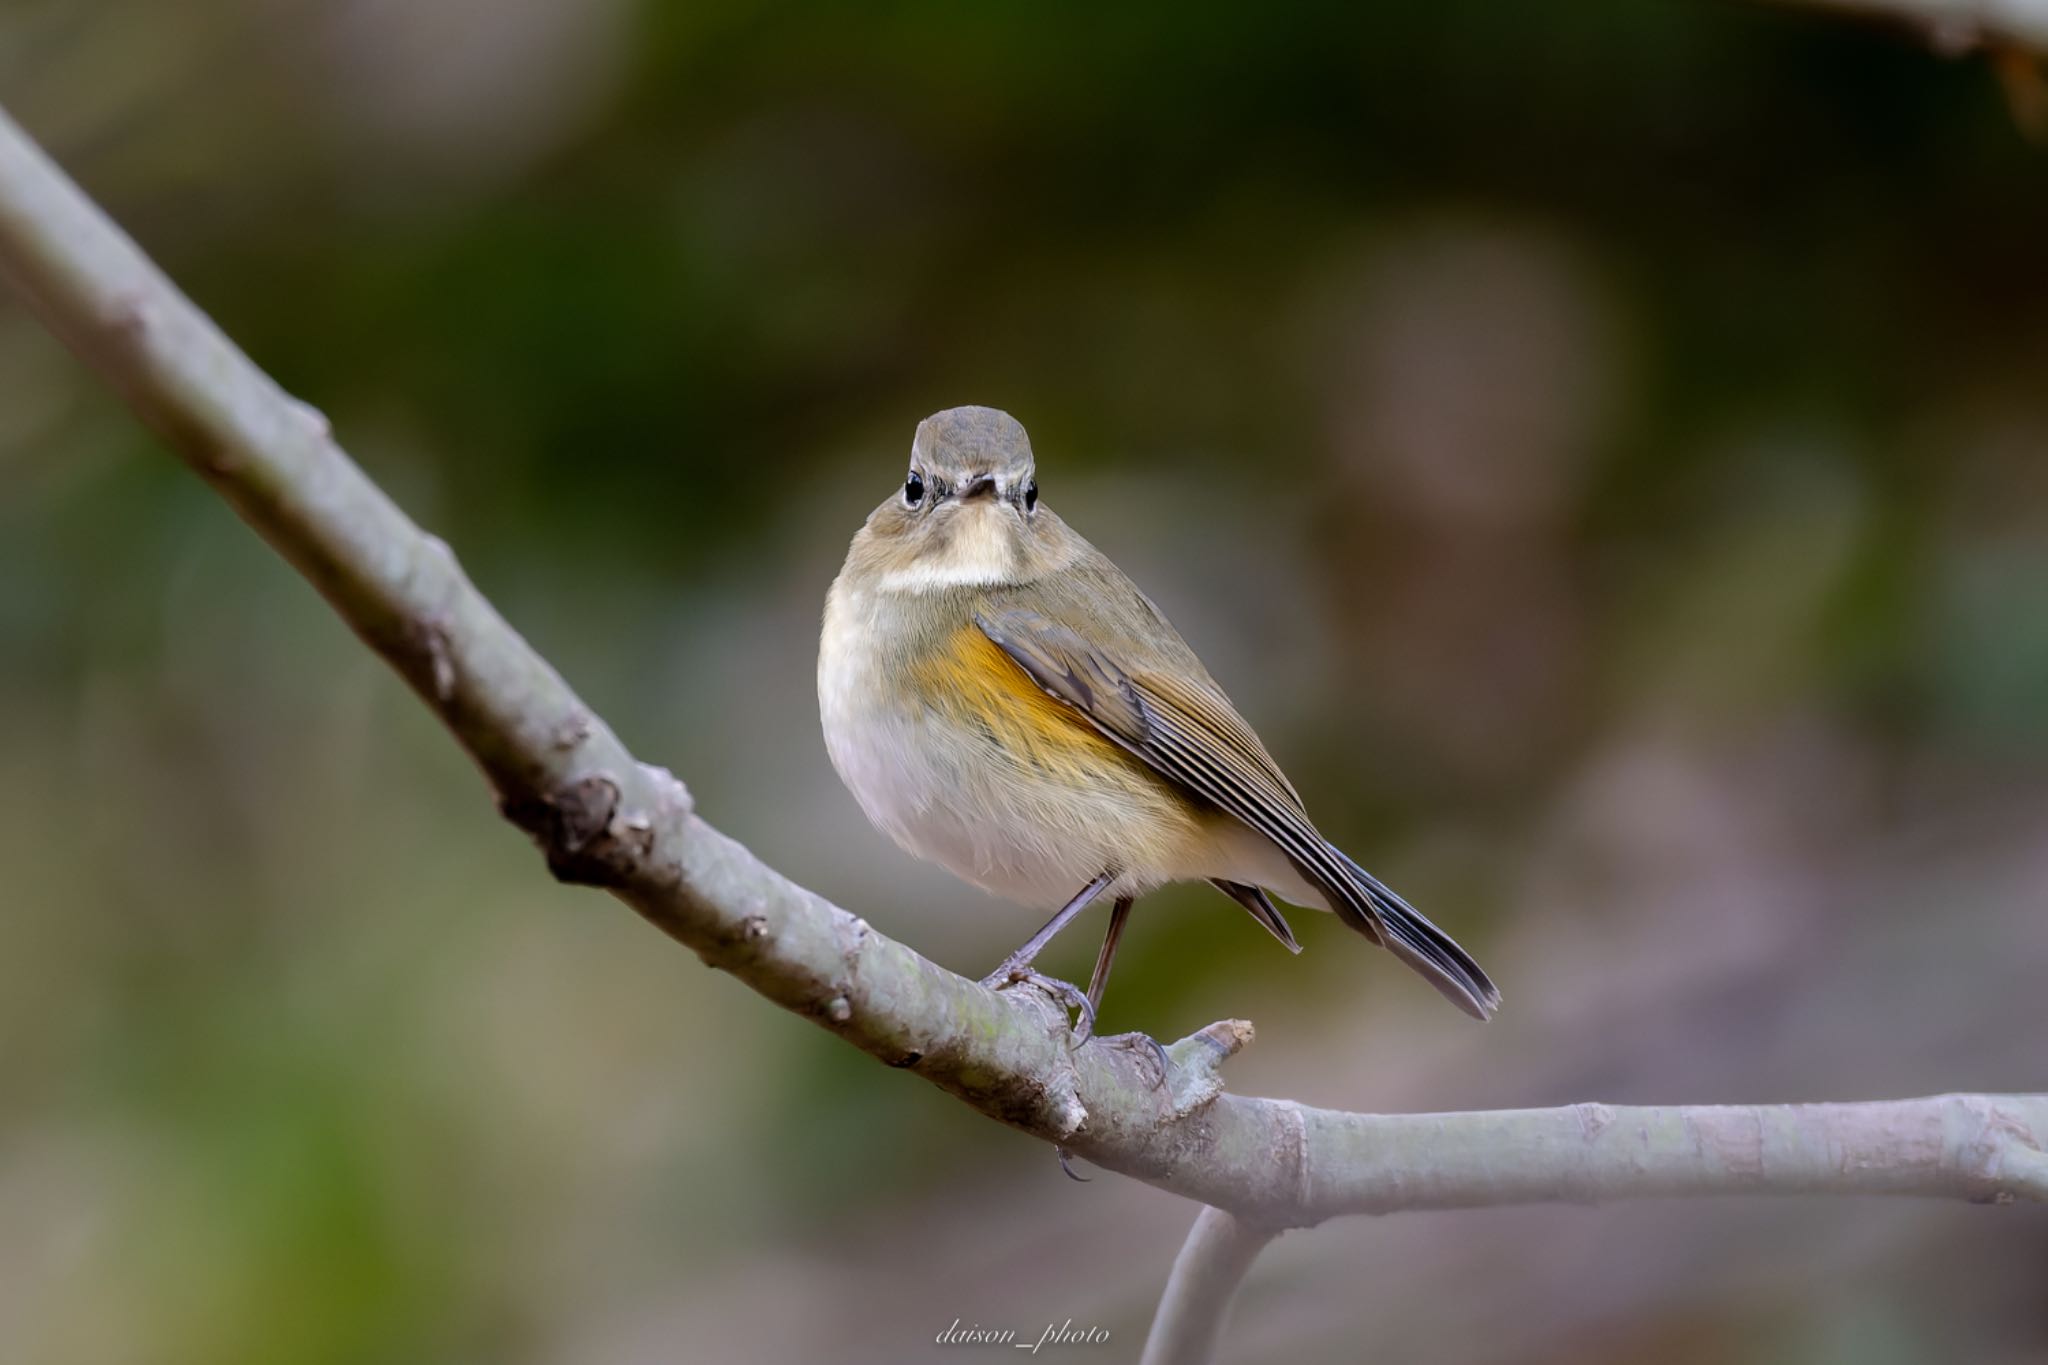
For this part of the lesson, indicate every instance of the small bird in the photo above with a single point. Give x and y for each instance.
(1004, 702)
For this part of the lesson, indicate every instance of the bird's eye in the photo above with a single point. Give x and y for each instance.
(913, 489)
(1031, 495)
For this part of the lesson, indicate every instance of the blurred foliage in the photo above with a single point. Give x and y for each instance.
(1602, 447)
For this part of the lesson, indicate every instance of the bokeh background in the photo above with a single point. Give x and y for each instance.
(1603, 447)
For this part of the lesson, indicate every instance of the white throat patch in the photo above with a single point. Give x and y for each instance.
(979, 553)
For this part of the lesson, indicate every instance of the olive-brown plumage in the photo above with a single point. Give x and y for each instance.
(1003, 701)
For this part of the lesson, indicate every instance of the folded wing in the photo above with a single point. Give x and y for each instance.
(1191, 735)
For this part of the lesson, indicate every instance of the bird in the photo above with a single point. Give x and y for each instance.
(1003, 701)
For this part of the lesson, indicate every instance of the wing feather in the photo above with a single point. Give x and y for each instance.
(1190, 734)
(1192, 738)
(1219, 720)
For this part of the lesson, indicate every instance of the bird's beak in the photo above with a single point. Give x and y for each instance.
(981, 485)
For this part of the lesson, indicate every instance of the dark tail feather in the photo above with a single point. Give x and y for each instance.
(1366, 904)
(1263, 910)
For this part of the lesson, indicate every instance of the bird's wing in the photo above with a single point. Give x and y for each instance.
(1187, 732)
(1184, 730)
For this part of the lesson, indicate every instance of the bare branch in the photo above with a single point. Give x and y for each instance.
(1955, 26)
(1219, 1250)
(605, 819)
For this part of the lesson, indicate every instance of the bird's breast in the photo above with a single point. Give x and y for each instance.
(955, 753)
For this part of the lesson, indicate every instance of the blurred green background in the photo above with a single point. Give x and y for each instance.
(1604, 448)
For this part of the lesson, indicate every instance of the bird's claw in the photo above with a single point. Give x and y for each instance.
(1065, 992)
(1155, 1057)
(1154, 1053)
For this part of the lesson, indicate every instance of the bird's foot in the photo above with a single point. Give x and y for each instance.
(1155, 1060)
(1150, 1048)
(1065, 992)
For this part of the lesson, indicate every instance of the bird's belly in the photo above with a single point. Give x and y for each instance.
(964, 763)
(956, 798)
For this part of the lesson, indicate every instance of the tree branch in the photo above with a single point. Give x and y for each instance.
(604, 819)
(1954, 26)
(1219, 1250)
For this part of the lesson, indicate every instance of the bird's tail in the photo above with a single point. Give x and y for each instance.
(1366, 903)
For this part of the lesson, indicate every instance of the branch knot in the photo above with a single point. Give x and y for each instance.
(587, 839)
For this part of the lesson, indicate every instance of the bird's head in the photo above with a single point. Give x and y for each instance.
(967, 512)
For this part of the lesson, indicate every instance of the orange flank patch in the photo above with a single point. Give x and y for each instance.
(972, 682)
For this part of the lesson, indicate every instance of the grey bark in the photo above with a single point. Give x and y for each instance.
(604, 819)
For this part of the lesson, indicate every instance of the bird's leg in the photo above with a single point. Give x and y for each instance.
(1033, 946)
(1098, 982)
(1017, 966)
